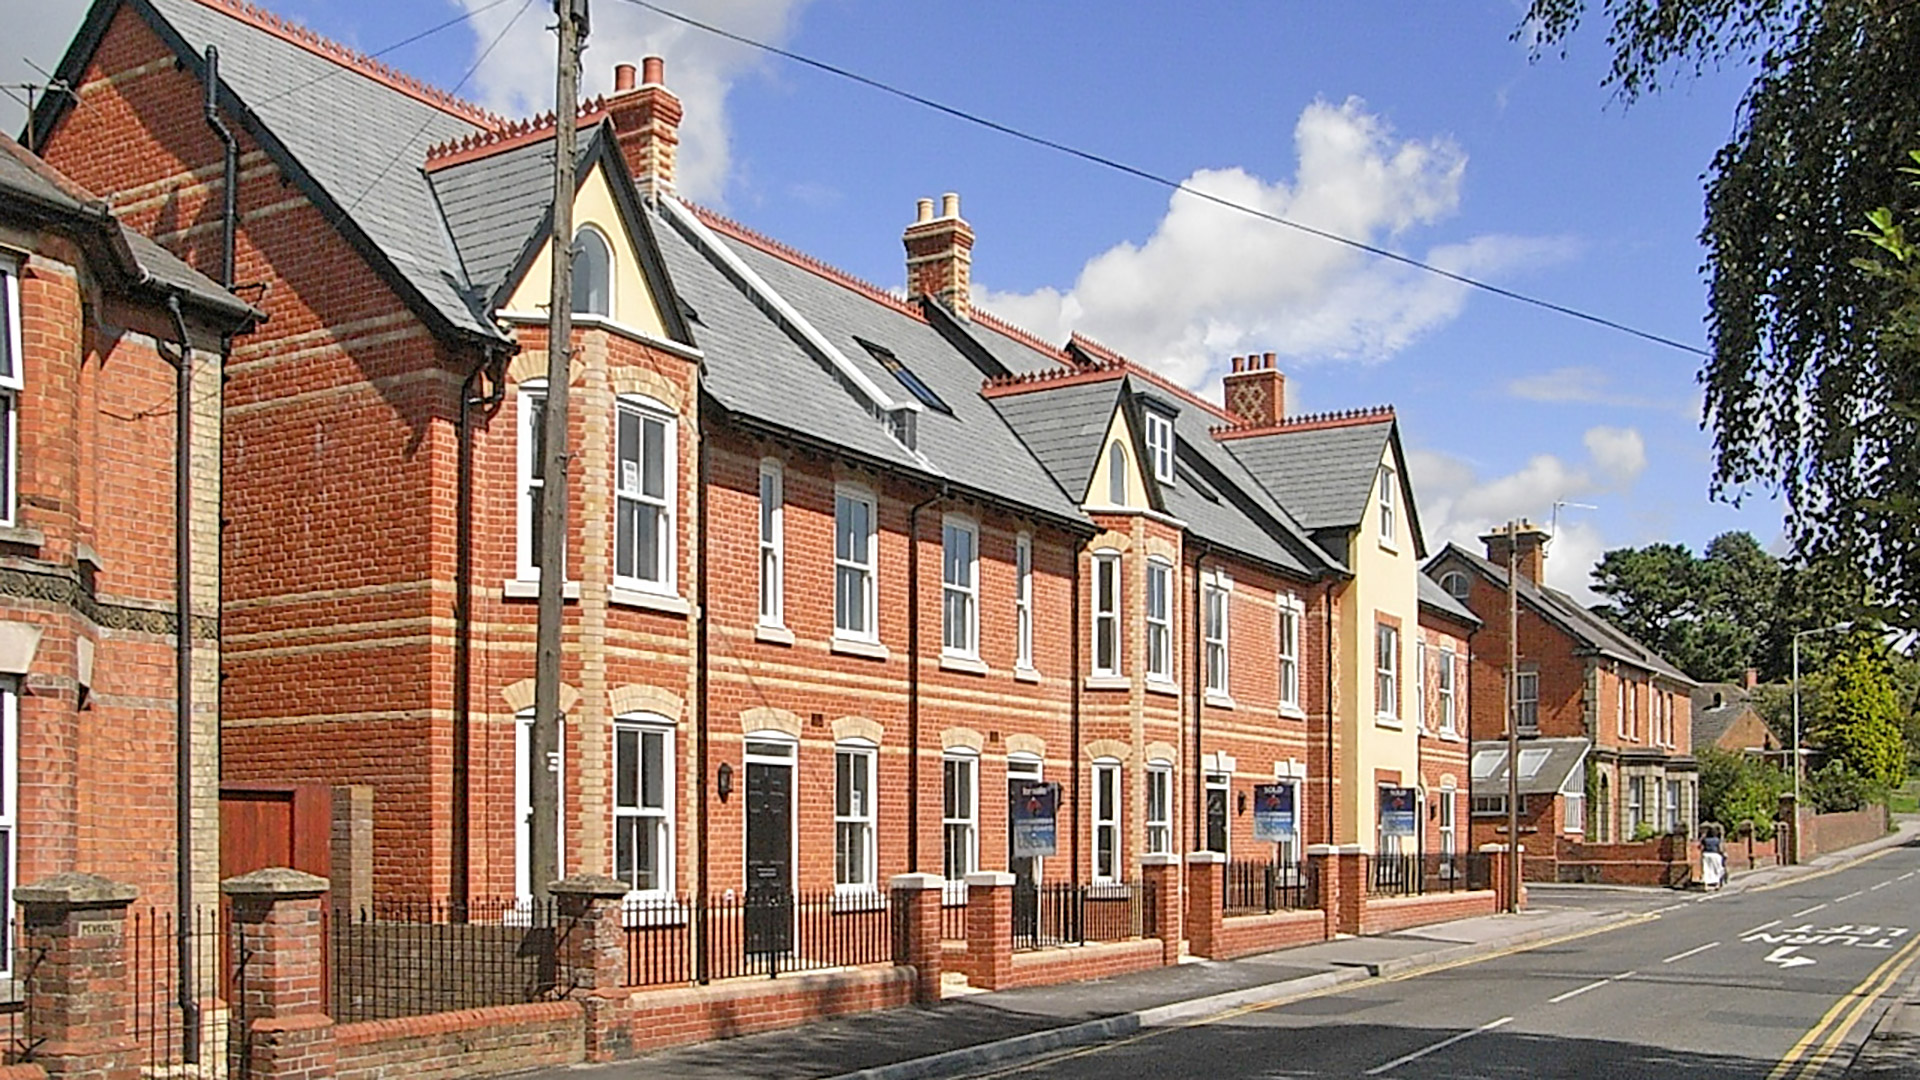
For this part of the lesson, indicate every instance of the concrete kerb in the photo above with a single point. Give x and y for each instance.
(969, 1058)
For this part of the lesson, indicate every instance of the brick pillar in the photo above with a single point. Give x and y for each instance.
(1787, 854)
(990, 929)
(1350, 870)
(1499, 866)
(352, 847)
(1323, 868)
(278, 1027)
(1205, 897)
(1162, 872)
(916, 923)
(73, 955)
(590, 960)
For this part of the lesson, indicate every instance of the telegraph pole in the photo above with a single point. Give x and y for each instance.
(1513, 716)
(543, 758)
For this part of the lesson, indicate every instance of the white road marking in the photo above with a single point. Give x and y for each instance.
(1849, 896)
(1669, 907)
(1762, 926)
(1908, 874)
(1441, 1045)
(1785, 958)
(1690, 952)
(1808, 911)
(1595, 985)
(1880, 886)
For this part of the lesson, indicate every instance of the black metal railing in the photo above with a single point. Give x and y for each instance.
(953, 916)
(412, 958)
(177, 1034)
(668, 939)
(1254, 887)
(1419, 875)
(1061, 913)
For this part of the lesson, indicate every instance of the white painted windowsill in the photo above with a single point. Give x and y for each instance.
(1293, 712)
(872, 650)
(651, 601)
(1026, 674)
(1392, 722)
(772, 635)
(529, 589)
(969, 665)
(1109, 682)
(1163, 686)
(1219, 701)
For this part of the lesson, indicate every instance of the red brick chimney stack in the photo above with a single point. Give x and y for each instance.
(940, 255)
(647, 118)
(1750, 679)
(1255, 391)
(1531, 542)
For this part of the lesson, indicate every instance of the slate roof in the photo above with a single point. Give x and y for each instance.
(358, 139)
(1547, 766)
(1221, 502)
(1557, 607)
(1324, 474)
(494, 205)
(1433, 596)
(1063, 427)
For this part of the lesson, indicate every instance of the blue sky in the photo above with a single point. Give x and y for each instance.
(1419, 127)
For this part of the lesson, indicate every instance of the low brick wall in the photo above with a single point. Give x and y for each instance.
(22, 1072)
(1385, 915)
(470, 1042)
(1668, 861)
(1049, 967)
(662, 1018)
(1244, 935)
(1828, 833)
(1738, 858)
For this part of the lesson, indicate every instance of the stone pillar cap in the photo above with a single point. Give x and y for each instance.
(917, 881)
(76, 890)
(1159, 858)
(276, 881)
(590, 886)
(1204, 857)
(990, 879)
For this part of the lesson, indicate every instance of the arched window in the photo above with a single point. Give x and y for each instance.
(1456, 584)
(1116, 474)
(592, 273)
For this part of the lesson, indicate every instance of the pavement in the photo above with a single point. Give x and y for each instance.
(1081, 1021)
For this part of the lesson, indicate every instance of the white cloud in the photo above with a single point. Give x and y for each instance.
(1458, 505)
(1212, 281)
(1580, 385)
(517, 78)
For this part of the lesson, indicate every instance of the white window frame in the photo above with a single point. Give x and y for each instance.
(1159, 807)
(965, 823)
(1636, 805)
(1217, 589)
(1388, 523)
(1670, 802)
(855, 823)
(959, 599)
(580, 290)
(1159, 624)
(530, 398)
(1620, 706)
(1292, 621)
(523, 803)
(641, 410)
(1106, 614)
(1386, 672)
(1466, 586)
(1421, 704)
(1023, 602)
(1106, 821)
(12, 382)
(9, 815)
(1526, 702)
(1574, 811)
(1159, 436)
(1449, 672)
(773, 543)
(1116, 474)
(865, 570)
(646, 726)
(1449, 822)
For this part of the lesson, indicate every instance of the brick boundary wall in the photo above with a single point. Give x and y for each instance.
(1077, 963)
(1828, 833)
(1244, 935)
(470, 1042)
(1386, 915)
(663, 1018)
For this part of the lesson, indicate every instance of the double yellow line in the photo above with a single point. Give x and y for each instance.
(1818, 1046)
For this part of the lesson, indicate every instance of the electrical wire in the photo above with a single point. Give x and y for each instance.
(405, 146)
(401, 44)
(1169, 182)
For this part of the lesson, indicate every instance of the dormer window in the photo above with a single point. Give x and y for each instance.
(592, 274)
(1456, 585)
(1387, 491)
(1159, 431)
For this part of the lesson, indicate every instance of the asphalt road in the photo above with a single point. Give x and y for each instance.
(1777, 983)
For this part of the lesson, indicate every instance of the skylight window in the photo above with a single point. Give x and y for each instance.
(884, 356)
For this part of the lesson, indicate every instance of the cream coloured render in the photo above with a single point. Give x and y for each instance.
(1095, 497)
(634, 305)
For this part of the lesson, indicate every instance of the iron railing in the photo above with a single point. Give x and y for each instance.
(412, 958)
(1061, 913)
(762, 935)
(181, 1035)
(1254, 887)
(1418, 875)
(953, 916)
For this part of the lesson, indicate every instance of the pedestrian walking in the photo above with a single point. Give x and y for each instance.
(1713, 859)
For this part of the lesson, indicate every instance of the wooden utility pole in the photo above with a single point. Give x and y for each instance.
(543, 757)
(1513, 716)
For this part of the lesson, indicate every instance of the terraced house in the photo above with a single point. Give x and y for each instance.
(846, 568)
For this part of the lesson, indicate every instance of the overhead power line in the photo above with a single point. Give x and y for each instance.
(1170, 183)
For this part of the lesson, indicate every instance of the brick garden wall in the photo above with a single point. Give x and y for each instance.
(1826, 833)
(467, 1043)
(1244, 935)
(1384, 916)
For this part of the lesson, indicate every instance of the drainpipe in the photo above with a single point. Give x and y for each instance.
(461, 853)
(703, 729)
(913, 677)
(183, 680)
(230, 188)
(1075, 689)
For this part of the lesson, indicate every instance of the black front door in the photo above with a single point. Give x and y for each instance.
(1217, 819)
(769, 914)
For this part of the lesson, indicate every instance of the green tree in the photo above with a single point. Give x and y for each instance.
(1705, 615)
(1860, 722)
(1740, 787)
(1807, 391)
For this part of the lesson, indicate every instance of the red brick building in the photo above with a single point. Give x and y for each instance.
(94, 319)
(1579, 678)
(843, 566)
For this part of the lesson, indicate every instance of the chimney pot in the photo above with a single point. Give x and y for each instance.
(950, 205)
(622, 78)
(1255, 391)
(655, 70)
(923, 210)
(1270, 360)
(1529, 545)
(646, 119)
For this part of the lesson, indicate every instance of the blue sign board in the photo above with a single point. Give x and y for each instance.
(1273, 812)
(1399, 811)
(1036, 808)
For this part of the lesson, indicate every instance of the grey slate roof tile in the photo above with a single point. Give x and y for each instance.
(493, 206)
(1323, 475)
(1432, 595)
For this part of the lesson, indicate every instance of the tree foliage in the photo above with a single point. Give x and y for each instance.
(1712, 616)
(1807, 391)
(1860, 723)
(1740, 787)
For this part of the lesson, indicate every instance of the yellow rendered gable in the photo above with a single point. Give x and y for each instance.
(1098, 489)
(634, 305)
